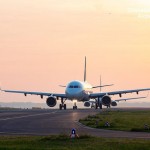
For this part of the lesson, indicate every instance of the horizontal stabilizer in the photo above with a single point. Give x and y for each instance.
(102, 86)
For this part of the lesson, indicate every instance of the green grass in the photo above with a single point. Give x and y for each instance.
(119, 120)
(63, 142)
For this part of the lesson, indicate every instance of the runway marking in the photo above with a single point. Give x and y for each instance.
(28, 116)
(28, 134)
(83, 126)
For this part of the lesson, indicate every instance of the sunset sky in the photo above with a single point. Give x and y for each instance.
(43, 44)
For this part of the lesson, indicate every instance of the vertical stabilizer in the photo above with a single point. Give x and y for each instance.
(85, 70)
(100, 83)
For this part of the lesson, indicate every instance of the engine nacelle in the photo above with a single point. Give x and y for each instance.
(51, 101)
(87, 104)
(114, 103)
(106, 100)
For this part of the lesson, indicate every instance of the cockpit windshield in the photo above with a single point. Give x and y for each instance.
(74, 86)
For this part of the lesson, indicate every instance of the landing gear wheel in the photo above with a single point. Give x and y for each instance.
(108, 106)
(75, 107)
(96, 106)
(60, 106)
(100, 106)
(64, 106)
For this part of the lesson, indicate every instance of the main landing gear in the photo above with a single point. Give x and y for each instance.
(98, 104)
(108, 106)
(62, 105)
(75, 106)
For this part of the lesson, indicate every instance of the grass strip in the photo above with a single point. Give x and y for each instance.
(63, 142)
(119, 120)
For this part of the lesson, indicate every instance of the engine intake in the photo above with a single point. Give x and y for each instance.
(106, 100)
(114, 103)
(87, 104)
(51, 101)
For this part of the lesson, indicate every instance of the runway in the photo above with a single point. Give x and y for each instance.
(52, 122)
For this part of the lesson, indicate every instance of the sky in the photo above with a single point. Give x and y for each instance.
(43, 44)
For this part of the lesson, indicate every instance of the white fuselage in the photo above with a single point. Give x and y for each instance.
(77, 90)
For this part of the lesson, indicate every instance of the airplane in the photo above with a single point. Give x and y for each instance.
(82, 92)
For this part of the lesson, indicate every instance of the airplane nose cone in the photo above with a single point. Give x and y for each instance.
(74, 90)
(73, 94)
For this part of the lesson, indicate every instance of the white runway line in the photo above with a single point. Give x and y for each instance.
(27, 116)
(83, 126)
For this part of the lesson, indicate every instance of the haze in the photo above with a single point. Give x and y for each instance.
(43, 44)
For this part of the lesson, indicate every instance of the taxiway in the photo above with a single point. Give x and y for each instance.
(52, 122)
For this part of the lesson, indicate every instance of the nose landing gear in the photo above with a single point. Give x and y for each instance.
(75, 106)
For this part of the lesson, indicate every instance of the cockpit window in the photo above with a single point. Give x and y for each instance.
(71, 86)
(74, 86)
(77, 86)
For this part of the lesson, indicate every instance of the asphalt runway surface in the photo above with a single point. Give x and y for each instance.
(53, 122)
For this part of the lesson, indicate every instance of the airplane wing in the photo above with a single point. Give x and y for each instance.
(125, 99)
(95, 95)
(36, 93)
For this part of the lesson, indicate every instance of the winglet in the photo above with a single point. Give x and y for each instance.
(85, 70)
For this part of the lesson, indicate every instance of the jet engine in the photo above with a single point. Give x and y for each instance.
(114, 103)
(106, 100)
(87, 104)
(51, 101)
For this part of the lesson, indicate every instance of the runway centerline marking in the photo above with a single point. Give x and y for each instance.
(27, 116)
